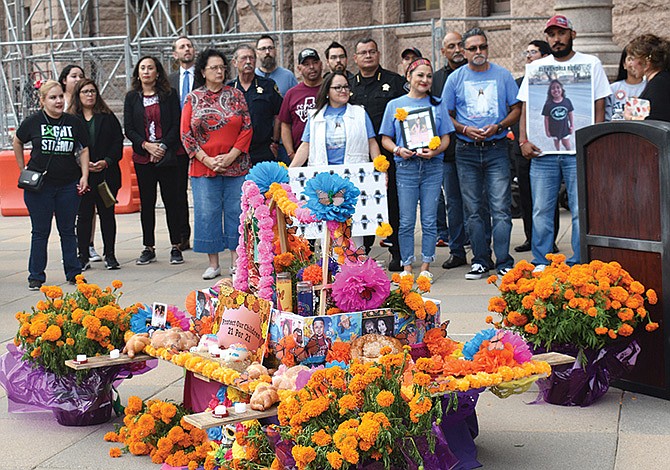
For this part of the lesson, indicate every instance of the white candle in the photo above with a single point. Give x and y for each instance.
(81, 358)
(114, 354)
(220, 411)
(214, 350)
(240, 407)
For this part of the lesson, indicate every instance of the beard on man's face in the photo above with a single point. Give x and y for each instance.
(269, 62)
(563, 52)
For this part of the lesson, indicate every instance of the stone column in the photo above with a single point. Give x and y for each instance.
(592, 20)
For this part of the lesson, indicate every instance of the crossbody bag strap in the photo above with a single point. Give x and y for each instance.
(60, 122)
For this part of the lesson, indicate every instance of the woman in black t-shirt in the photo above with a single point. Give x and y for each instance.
(56, 139)
(651, 58)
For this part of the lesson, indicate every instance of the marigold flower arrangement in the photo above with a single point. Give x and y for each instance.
(400, 114)
(88, 321)
(345, 417)
(157, 428)
(434, 142)
(586, 305)
(407, 301)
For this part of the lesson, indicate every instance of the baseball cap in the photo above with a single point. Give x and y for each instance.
(411, 50)
(559, 21)
(306, 54)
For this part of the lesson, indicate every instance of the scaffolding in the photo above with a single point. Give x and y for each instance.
(39, 37)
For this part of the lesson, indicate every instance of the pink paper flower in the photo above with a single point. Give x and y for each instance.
(361, 287)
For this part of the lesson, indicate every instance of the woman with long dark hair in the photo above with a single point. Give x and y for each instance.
(68, 79)
(216, 133)
(56, 137)
(337, 132)
(151, 121)
(105, 153)
(418, 170)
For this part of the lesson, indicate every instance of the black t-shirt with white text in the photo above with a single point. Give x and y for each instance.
(59, 139)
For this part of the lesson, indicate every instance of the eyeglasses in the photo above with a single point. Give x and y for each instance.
(481, 47)
(531, 52)
(244, 58)
(340, 88)
(216, 68)
(266, 48)
(335, 57)
(89, 92)
(368, 52)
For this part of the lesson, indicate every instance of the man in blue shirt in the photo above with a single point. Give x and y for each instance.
(481, 98)
(266, 54)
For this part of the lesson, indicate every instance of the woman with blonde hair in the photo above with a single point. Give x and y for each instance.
(56, 138)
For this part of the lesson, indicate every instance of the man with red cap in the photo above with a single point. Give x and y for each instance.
(547, 170)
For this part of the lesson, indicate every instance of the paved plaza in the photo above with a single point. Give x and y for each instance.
(622, 431)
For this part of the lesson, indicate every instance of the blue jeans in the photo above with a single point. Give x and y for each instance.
(418, 180)
(484, 175)
(546, 173)
(216, 212)
(63, 202)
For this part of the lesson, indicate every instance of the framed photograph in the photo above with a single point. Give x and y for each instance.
(560, 101)
(418, 128)
(158, 315)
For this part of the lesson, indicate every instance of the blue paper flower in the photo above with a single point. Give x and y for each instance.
(266, 173)
(140, 321)
(331, 197)
(471, 347)
(340, 364)
(221, 393)
(215, 434)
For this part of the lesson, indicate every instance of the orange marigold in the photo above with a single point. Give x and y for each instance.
(497, 304)
(53, 333)
(652, 297)
(530, 329)
(612, 334)
(625, 330)
(115, 452)
(385, 398)
(601, 330)
(116, 284)
(321, 438)
(651, 326)
(313, 273)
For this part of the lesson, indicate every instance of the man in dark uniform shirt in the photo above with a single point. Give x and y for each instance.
(264, 102)
(373, 87)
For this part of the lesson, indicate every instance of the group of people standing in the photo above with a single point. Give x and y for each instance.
(199, 123)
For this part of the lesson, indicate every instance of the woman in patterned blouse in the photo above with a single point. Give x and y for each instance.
(216, 132)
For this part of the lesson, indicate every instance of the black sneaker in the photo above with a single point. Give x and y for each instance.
(477, 271)
(147, 256)
(85, 264)
(73, 281)
(34, 284)
(175, 256)
(111, 263)
(394, 265)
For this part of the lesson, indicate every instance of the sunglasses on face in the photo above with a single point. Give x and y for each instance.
(481, 47)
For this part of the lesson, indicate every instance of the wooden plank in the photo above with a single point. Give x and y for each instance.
(106, 361)
(554, 358)
(206, 419)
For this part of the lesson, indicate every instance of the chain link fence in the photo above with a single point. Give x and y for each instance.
(110, 60)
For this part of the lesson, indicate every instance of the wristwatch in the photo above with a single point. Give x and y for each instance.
(500, 128)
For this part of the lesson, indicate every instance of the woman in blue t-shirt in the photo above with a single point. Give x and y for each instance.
(418, 169)
(337, 132)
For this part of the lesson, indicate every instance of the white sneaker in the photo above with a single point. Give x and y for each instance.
(93, 255)
(428, 275)
(539, 268)
(211, 273)
(477, 271)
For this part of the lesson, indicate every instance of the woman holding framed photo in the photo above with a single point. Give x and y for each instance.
(407, 122)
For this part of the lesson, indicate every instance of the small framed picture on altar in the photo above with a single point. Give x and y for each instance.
(418, 128)
(159, 315)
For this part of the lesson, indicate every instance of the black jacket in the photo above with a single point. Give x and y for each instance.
(107, 145)
(133, 120)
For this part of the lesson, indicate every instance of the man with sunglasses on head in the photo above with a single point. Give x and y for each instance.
(481, 98)
(266, 55)
(547, 170)
(373, 87)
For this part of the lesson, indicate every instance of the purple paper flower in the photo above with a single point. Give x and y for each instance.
(361, 287)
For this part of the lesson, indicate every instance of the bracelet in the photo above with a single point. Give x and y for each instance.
(521, 144)
(396, 150)
(465, 128)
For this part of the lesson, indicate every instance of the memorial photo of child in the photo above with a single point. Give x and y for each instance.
(558, 116)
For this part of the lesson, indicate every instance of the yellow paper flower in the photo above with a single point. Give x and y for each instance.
(400, 114)
(384, 230)
(381, 163)
(434, 142)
